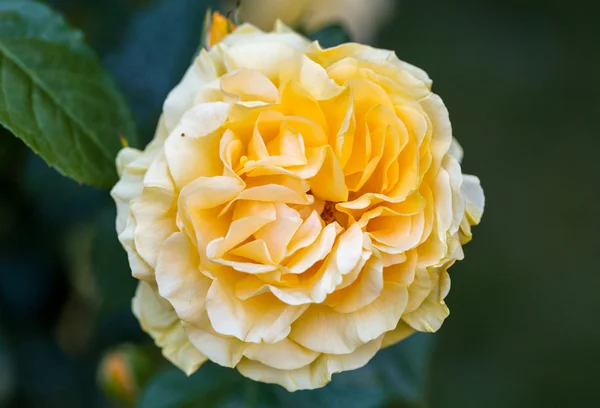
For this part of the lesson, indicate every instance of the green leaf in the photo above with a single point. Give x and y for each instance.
(330, 36)
(396, 377)
(210, 387)
(56, 96)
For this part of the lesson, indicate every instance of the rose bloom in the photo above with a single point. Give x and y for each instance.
(297, 210)
(361, 18)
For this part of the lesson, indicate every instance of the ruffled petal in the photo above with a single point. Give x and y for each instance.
(314, 375)
(159, 320)
(475, 200)
(258, 319)
(322, 329)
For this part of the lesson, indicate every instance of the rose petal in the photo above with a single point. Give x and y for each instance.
(159, 320)
(258, 319)
(322, 329)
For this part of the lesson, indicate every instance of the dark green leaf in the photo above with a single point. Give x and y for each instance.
(396, 377)
(210, 387)
(56, 96)
(330, 36)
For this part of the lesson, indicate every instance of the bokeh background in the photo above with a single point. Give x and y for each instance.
(520, 79)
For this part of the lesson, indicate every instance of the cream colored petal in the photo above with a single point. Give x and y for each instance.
(428, 317)
(458, 202)
(132, 166)
(474, 197)
(128, 188)
(249, 86)
(442, 195)
(403, 273)
(308, 377)
(278, 234)
(199, 204)
(265, 55)
(159, 320)
(331, 275)
(365, 289)
(401, 332)
(322, 329)
(283, 355)
(343, 362)
(258, 319)
(348, 251)
(419, 289)
(256, 251)
(308, 256)
(139, 267)
(181, 98)
(155, 215)
(314, 375)
(274, 193)
(351, 277)
(179, 278)
(245, 267)
(306, 234)
(185, 287)
(441, 127)
(126, 156)
(248, 218)
(456, 150)
(192, 149)
(223, 350)
(311, 76)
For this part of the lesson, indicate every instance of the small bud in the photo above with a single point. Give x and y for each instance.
(124, 141)
(122, 373)
(218, 27)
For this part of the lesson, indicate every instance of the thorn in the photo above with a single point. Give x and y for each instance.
(123, 141)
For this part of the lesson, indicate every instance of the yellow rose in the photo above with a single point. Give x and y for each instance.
(297, 210)
(361, 18)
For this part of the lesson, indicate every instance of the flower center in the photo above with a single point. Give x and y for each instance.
(328, 214)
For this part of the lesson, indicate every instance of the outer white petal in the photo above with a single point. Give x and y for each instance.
(474, 197)
(456, 150)
(132, 165)
(155, 216)
(158, 319)
(139, 267)
(192, 148)
(179, 278)
(181, 98)
(442, 129)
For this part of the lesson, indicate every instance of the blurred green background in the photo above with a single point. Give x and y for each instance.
(520, 81)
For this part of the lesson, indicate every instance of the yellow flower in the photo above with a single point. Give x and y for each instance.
(361, 18)
(297, 210)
